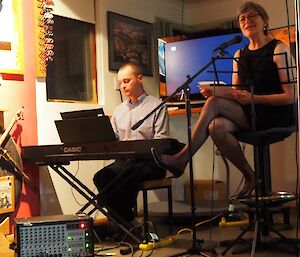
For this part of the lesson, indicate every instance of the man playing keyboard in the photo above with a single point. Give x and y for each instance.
(120, 198)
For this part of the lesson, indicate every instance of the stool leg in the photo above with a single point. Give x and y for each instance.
(146, 216)
(135, 209)
(170, 205)
(286, 216)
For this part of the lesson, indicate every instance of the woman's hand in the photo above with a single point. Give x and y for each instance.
(243, 97)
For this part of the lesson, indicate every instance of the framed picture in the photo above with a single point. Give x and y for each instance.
(129, 40)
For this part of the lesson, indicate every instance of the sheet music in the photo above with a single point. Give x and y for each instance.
(217, 89)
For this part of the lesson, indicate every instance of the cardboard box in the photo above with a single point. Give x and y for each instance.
(203, 190)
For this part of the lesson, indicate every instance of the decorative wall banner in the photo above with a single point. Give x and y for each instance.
(44, 42)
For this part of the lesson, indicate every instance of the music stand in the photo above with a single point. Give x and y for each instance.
(85, 130)
(196, 244)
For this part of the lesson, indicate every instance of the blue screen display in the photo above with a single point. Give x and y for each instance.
(187, 57)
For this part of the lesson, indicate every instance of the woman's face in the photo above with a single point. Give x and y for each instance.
(251, 24)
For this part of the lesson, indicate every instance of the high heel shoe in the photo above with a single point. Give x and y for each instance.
(176, 172)
(248, 188)
(245, 193)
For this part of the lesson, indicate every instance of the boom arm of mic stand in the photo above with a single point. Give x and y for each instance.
(182, 87)
(140, 122)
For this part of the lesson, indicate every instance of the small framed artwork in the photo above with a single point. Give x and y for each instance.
(129, 40)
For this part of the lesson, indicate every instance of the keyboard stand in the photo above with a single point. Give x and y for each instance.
(91, 197)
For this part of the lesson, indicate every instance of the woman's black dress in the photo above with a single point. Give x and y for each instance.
(257, 68)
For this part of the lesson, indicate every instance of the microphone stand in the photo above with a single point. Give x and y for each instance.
(196, 247)
(178, 90)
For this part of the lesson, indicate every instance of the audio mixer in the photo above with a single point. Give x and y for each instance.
(54, 236)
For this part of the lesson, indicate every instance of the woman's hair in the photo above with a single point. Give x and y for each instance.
(249, 6)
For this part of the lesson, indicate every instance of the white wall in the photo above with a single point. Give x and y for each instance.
(82, 10)
(214, 12)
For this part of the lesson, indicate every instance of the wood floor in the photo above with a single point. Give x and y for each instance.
(212, 236)
(4, 245)
(209, 247)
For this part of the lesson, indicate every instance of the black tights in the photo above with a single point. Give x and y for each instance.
(220, 118)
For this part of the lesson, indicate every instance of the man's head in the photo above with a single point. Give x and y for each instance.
(130, 78)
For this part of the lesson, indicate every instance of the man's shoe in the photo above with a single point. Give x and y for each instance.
(106, 230)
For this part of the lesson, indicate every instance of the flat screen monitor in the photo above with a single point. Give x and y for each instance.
(187, 57)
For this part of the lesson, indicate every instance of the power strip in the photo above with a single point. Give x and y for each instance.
(153, 245)
(224, 223)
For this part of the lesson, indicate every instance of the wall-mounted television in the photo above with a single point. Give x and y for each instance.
(187, 57)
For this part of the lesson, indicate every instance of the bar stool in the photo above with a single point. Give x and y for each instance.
(165, 183)
(261, 141)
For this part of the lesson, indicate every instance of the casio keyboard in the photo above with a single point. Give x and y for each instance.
(63, 153)
(58, 156)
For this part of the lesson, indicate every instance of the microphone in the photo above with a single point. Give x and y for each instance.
(237, 39)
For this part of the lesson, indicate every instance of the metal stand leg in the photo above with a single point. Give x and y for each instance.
(91, 198)
(261, 222)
